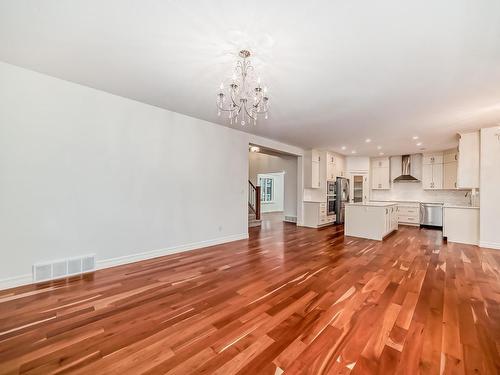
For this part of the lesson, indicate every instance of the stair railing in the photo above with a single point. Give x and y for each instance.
(254, 199)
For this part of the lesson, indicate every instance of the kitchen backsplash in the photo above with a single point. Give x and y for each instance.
(413, 192)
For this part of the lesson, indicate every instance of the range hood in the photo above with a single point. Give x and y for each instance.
(406, 171)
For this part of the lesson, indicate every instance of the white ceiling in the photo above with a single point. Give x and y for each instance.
(338, 71)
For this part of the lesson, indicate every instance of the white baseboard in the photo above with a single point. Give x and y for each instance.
(490, 245)
(12, 282)
(112, 262)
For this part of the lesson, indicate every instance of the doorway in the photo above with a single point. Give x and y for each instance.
(275, 174)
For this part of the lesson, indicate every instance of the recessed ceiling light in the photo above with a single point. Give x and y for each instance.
(343, 147)
(415, 137)
(254, 149)
(368, 140)
(353, 151)
(379, 147)
(381, 153)
(419, 144)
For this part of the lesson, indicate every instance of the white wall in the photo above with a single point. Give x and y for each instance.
(264, 163)
(490, 188)
(83, 171)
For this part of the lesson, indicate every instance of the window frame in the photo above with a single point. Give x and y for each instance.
(262, 190)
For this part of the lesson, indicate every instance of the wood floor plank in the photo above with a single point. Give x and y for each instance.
(288, 300)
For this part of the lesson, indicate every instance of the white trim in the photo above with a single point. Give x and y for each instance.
(12, 282)
(15, 281)
(106, 263)
(490, 245)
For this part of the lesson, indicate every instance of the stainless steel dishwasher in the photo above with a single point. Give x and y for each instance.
(431, 214)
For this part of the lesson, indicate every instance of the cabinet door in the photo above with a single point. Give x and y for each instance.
(387, 220)
(427, 176)
(366, 189)
(450, 156)
(315, 174)
(330, 171)
(375, 179)
(384, 178)
(437, 176)
(433, 158)
(450, 175)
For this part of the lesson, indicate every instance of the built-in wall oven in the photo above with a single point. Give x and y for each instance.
(330, 204)
(330, 188)
(331, 197)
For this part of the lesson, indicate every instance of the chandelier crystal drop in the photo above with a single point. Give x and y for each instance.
(244, 98)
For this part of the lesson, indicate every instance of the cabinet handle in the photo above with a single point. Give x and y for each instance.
(455, 156)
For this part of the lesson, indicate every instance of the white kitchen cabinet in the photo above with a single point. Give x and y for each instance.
(312, 161)
(373, 220)
(461, 224)
(381, 174)
(432, 171)
(468, 161)
(334, 166)
(450, 175)
(359, 187)
(409, 213)
(315, 215)
(434, 158)
(450, 169)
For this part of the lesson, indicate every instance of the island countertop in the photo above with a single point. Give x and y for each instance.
(373, 204)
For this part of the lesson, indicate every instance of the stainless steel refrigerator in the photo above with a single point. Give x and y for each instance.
(342, 197)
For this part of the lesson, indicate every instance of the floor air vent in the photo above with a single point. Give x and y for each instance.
(63, 268)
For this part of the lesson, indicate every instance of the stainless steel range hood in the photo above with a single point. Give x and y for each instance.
(406, 171)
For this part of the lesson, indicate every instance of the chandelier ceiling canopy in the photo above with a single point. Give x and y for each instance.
(243, 98)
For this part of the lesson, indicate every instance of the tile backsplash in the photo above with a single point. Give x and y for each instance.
(413, 191)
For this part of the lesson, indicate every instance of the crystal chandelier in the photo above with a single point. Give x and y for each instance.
(245, 98)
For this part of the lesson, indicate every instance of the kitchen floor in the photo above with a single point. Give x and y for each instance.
(290, 299)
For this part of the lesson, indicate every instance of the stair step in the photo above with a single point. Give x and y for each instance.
(254, 223)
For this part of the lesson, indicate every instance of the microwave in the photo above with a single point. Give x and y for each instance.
(331, 187)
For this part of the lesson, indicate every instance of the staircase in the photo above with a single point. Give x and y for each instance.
(253, 205)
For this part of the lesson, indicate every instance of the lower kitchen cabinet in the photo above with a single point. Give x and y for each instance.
(409, 213)
(461, 224)
(315, 215)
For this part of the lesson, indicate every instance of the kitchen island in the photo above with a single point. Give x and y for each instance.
(372, 220)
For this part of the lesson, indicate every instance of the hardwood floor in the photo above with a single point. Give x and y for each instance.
(297, 300)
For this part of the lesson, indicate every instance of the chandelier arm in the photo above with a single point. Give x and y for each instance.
(249, 115)
(224, 109)
(262, 112)
(231, 95)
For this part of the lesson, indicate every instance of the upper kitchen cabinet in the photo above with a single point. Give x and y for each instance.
(432, 171)
(312, 159)
(468, 161)
(334, 166)
(434, 158)
(381, 175)
(450, 169)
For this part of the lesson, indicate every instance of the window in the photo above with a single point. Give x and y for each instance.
(266, 189)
